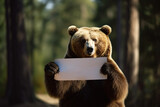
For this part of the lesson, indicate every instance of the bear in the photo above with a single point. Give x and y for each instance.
(89, 42)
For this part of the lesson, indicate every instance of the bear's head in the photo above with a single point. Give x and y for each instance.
(89, 42)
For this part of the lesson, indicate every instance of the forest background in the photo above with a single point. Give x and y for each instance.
(135, 39)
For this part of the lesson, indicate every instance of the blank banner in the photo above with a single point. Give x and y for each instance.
(80, 69)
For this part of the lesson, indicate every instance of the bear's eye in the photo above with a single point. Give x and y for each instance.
(95, 40)
(83, 40)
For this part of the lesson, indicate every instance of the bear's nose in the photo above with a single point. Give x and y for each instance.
(89, 50)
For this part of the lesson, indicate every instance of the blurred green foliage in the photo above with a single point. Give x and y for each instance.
(149, 72)
(46, 23)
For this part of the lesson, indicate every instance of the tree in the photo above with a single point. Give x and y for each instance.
(2, 49)
(19, 87)
(131, 66)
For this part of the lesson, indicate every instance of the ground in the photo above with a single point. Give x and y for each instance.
(47, 99)
(43, 101)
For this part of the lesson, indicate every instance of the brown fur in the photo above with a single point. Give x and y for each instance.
(94, 93)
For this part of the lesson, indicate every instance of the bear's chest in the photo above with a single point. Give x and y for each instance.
(91, 95)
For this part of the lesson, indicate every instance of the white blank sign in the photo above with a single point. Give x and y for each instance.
(80, 69)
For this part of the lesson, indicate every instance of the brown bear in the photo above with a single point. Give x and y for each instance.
(89, 42)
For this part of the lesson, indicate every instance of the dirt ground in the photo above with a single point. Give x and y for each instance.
(43, 101)
(47, 99)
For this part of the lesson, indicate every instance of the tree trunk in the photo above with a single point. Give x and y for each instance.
(132, 50)
(19, 88)
(32, 38)
(9, 49)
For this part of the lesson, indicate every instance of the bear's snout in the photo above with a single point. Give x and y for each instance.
(89, 47)
(89, 50)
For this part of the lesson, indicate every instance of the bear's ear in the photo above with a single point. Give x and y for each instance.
(106, 29)
(72, 30)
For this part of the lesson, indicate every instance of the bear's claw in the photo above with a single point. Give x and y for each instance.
(105, 69)
(51, 69)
